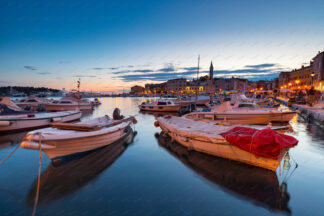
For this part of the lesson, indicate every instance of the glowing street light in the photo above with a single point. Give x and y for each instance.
(312, 75)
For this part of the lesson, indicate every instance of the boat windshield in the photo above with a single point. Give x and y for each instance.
(65, 102)
(31, 101)
(251, 106)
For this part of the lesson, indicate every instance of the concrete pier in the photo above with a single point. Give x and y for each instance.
(311, 114)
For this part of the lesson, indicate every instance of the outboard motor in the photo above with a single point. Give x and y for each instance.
(116, 114)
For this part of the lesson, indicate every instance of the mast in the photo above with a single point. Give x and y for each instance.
(79, 96)
(197, 80)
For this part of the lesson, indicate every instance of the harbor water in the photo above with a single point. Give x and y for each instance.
(155, 176)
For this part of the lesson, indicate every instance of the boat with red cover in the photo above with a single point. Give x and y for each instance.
(258, 147)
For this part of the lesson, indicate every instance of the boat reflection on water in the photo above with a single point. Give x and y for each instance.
(257, 185)
(68, 175)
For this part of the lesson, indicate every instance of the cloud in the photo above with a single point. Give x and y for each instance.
(30, 67)
(80, 76)
(142, 71)
(168, 68)
(157, 76)
(190, 68)
(99, 68)
(265, 65)
(44, 73)
(251, 72)
(133, 71)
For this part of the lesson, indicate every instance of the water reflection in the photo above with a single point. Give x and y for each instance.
(11, 139)
(257, 185)
(63, 177)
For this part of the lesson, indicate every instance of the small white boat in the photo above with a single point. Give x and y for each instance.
(96, 102)
(32, 102)
(243, 113)
(13, 118)
(161, 105)
(206, 138)
(10, 123)
(68, 103)
(65, 177)
(66, 139)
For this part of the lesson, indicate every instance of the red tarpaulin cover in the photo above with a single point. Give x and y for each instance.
(266, 143)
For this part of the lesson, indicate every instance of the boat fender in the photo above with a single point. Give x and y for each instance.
(56, 119)
(156, 124)
(5, 123)
(35, 145)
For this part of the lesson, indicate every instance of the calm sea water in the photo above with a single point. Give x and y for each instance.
(154, 176)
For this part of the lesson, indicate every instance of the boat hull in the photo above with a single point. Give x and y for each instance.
(63, 107)
(159, 108)
(246, 118)
(18, 124)
(224, 150)
(67, 147)
(198, 102)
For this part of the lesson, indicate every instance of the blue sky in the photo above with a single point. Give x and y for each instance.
(112, 45)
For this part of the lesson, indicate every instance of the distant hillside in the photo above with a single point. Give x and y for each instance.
(25, 90)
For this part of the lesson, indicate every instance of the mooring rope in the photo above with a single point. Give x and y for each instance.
(39, 172)
(10, 154)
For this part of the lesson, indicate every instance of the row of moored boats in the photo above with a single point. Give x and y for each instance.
(238, 130)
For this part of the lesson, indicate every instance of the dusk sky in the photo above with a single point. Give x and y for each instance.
(113, 45)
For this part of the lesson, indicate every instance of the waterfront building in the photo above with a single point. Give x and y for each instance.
(300, 78)
(176, 85)
(317, 66)
(283, 79)
(137, 90)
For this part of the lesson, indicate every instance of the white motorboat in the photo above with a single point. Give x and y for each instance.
(208, 138)
(64, 139)
(13, 118)
(68, 103)
(161, 105)
(9, 123)
(96, 102)
(243, 113)
(32, 102)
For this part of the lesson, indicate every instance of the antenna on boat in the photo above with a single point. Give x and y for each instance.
(197, 79)
(79, 83)
(79, 96)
